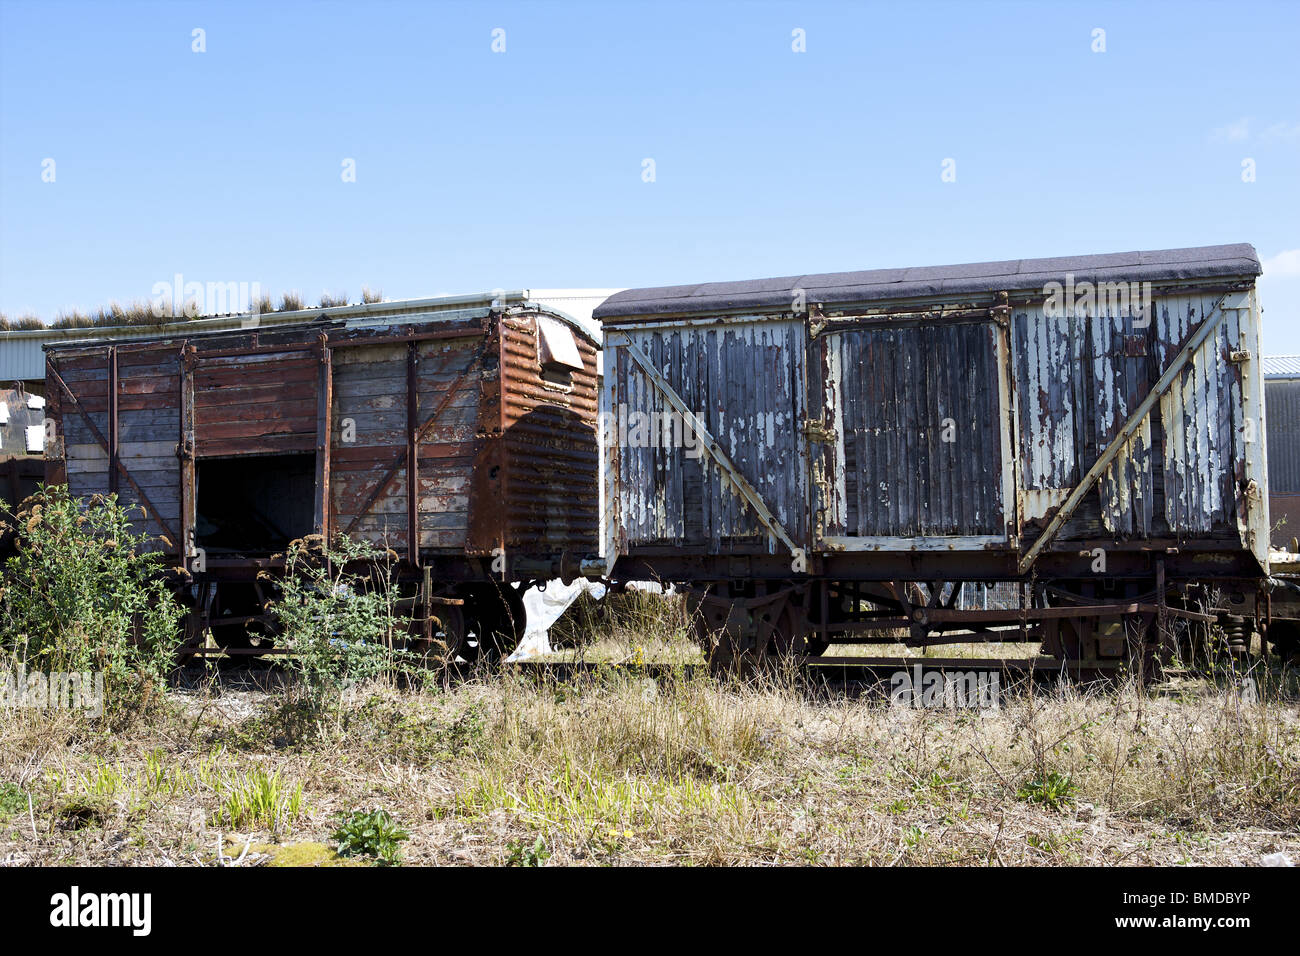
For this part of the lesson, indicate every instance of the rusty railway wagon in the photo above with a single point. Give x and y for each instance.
(825, 459)
(460, 433)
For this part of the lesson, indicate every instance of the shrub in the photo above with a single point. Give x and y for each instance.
(83, 592)
(374, 834)
(337, 611)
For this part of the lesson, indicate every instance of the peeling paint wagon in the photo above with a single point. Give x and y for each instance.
(825, 459)
(458, 432)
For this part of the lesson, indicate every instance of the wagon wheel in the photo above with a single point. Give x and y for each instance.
(446, 641)
(495, 621)
(711, 617)
(784, 635)
(1285, 638)
(816, 646)
(737, 640)
(1104, 643)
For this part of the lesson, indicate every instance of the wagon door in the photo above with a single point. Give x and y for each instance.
(708, 446)
(253, 415)
(406, 416)
(914, 435)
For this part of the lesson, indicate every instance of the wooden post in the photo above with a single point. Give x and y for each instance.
(324, 438)
(112, 420)
(412, 455)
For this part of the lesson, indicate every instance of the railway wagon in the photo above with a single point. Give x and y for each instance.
(825, 459)
(457, 432)
(21, 439)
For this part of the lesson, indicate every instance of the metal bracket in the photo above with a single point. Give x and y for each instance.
(819, 431)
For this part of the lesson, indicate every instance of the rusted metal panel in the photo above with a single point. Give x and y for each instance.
(549, 442)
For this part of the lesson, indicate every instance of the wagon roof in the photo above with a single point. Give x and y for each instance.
(565, 304)
(872, 285)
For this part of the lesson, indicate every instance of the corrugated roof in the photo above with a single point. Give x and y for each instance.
(1281, 366)
(1014, 275)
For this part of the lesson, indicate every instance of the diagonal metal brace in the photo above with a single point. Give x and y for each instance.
(1192, 344)
(710, 444)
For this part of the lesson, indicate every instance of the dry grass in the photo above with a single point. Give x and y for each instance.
(116, 315)
(617, 768)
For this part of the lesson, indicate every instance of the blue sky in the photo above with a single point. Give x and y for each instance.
(523, 169)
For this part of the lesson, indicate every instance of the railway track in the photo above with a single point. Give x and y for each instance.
(841, 672)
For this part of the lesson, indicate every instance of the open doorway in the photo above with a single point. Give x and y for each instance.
(254, 503)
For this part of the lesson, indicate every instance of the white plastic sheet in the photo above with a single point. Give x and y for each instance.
(544, 608)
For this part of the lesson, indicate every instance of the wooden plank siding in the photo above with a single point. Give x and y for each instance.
(370, 407)
(256, 403)
(145, 433)
(358, 399)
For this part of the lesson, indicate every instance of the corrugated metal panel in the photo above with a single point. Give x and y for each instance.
(745, 382)
(550, 443)
(1281, 366)
(22, 356)
(916, 421)
(15, 421)
(1282, 403)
